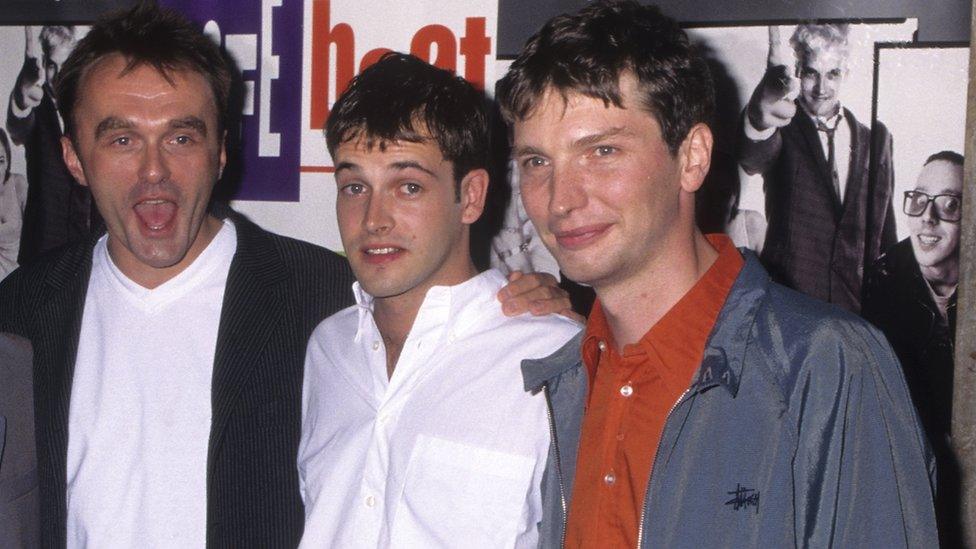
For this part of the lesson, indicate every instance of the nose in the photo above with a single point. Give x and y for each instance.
(817, 85)
(567, 190)
(155, 166)
(378, 219)
(928, 214)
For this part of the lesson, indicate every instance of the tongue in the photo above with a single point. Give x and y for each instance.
(156, 214)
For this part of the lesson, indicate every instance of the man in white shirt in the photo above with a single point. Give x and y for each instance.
(826, 217)
(416, 429)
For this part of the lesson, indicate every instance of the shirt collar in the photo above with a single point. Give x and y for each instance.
(829, 121)
(681, 334)
(459, 306)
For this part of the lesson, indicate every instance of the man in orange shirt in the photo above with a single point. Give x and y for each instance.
(704, 405)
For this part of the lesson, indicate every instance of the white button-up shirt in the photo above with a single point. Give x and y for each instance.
(450, 450)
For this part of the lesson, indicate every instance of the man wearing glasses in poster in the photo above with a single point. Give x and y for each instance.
(910, 293)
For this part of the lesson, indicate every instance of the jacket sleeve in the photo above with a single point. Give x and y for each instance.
(864, 474)
(19, 126)
(757, 156)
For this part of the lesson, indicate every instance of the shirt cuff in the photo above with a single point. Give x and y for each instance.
(17, 111)
(757, 135)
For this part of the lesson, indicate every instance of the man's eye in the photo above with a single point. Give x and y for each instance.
(122, 140)
(353, 188)
(604, 150)
(183, 140)
(534, 162)
(411, 188)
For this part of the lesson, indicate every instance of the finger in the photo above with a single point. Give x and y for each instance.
(504, 294)
(552, 305)
(527, 282)
(32, 47)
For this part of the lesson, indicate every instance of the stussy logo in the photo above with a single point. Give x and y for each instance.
(743, 497)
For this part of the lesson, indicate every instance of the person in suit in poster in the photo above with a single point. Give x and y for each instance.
(910, 293)
(828, 201)
(58, 209)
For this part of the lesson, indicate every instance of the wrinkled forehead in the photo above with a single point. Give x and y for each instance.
(940, 177)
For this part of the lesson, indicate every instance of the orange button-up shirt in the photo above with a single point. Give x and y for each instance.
(631, 395)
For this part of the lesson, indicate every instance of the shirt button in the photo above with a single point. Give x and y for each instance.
(610, 478)
(370, 501)
(376, 345)
(626, 390)
(601, 345)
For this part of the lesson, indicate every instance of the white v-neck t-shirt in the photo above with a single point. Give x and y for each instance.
(139, 416)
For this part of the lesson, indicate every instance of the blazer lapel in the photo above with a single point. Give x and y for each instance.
(860, 151)
(248, 318)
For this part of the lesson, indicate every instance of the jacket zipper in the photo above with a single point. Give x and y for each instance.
(647, 491)
(559, 466)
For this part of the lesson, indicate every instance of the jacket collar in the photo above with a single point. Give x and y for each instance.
(537, 371)
(726, 348)
(724, 353)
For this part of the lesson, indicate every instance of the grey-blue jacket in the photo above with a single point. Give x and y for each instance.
(797, 431)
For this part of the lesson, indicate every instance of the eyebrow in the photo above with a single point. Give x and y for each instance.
(111, 123)
(589, 140)
(411, 164)
(190, 123)
(401, 165)
(346, 166)
(526, 150)
(582, 142)
(116, 123)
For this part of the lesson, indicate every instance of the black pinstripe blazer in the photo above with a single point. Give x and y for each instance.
(277, 291)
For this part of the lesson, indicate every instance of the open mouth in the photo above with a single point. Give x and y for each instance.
(382, 251)
(156, 214)
(381, 254)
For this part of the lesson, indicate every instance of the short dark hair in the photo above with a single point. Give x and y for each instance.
(947, 156)
(400, 98)
(587, 52)
(5, 143)
(146, 35)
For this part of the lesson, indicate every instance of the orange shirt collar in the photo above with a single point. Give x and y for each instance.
(679, 337)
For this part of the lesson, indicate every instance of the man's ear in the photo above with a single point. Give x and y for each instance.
(474, 190)
(223, 155)
(72, 161)
(695, 156)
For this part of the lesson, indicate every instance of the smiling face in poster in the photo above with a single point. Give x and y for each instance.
(936, 203)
